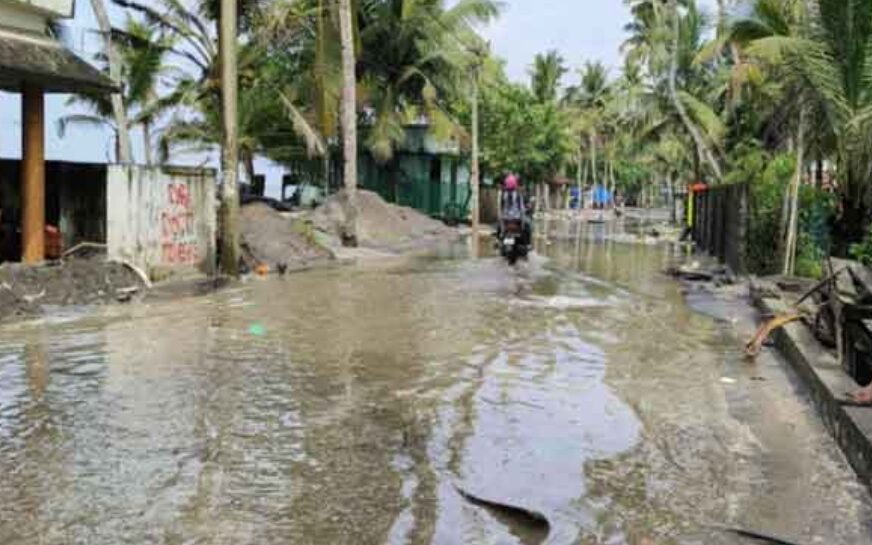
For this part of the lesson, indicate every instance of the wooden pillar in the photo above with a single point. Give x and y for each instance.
(32, 175)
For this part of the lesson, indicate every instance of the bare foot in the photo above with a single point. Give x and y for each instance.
(864, 396)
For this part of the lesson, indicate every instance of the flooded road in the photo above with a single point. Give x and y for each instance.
(353, 406)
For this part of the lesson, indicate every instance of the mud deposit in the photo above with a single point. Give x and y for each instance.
(428, 401)
(29, 291)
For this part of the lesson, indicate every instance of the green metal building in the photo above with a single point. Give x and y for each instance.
(425, 173)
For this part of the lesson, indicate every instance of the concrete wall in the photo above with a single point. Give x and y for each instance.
(162, 220)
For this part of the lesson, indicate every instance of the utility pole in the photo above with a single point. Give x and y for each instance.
(230, 148)
(475, 173)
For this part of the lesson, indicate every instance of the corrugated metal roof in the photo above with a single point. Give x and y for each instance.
(43, 61)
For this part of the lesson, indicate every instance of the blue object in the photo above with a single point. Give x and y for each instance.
(574, 198)
(601, 195)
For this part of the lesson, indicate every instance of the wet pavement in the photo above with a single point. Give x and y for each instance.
(353, 406)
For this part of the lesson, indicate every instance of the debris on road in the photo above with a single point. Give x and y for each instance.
(84, 278)
(527, 517)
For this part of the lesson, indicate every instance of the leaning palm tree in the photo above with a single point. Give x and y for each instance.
(123, 150)
(142, 54)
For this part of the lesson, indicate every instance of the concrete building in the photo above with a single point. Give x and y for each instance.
(34, 63)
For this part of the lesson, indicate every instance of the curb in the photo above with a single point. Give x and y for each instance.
(827, 383)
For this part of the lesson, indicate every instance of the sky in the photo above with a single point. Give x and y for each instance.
(580, 30)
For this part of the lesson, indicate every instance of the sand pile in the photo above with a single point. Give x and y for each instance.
(278, 240)
(380, 224)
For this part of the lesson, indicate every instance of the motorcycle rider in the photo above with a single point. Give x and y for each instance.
(513, 207)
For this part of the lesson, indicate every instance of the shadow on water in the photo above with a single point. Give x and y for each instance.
(348, 405)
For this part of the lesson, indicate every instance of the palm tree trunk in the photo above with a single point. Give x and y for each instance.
(592, 139)
(612, 183)
(325, 167)
(349, 121)
(578, 179)
(793, 221)
(146, 141)
(702, 148)
(230, 146)
(124, 155)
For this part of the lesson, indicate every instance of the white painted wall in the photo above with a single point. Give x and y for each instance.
(52, 8)
(163, 221)
(17, 17)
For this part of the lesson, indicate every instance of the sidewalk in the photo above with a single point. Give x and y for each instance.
(828, 385)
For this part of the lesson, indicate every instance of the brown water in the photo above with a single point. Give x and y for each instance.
(348, 406)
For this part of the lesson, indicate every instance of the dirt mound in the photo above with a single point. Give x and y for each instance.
(277, 239)
(380, 224)
(91, 280)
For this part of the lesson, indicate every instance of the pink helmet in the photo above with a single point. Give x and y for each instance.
(511, 183)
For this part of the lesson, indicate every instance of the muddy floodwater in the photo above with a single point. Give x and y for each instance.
(373, 404)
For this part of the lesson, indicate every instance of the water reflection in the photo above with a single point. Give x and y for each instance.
(578, 385)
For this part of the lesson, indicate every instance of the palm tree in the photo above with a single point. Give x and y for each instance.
(820, 53)
(123, 150)
(141, 53)
(590, 99)
(686, 40)
(349, 120)
(547, 71)
(414, 59)
(267, 100)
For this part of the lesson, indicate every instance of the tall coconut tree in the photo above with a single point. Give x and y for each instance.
(589, 98)
(349, 120)
(545, 75)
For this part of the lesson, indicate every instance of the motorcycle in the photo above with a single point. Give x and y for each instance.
(511, 241)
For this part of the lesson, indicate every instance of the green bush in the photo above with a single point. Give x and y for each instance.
(769, 178)
(767, 187)
(862, 251)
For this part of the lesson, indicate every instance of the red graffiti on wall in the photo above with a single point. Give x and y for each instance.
(178, 228)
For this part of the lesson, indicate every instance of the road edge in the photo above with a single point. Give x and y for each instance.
(828, 385)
